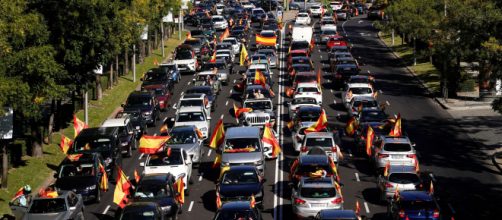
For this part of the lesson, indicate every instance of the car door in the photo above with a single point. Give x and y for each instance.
(17, 209)
(188, 163)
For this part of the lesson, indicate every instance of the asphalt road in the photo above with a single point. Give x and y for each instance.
(466, 184)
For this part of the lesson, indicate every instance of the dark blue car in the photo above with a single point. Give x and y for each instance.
(336, 214)
(237, 210)
(239, 184)
(158, 188)
(414, 205)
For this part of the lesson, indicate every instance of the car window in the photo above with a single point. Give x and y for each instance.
(417, 205)
(308, 100)
(151, 189)
(239, 177)
(403, 178)
(138, 101)
(182, 137)
(359, 91)
(321, 142)
(311, 115)
(48, 206)
(307, 89)
(397, 147)
(98, 144)
(191, 102)
(165, 160)
(191, 116)
(259, 105)
(76, 169)
(317, 193)
(242, 145)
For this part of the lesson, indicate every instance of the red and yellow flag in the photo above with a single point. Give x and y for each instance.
(74, 157)
(333, 167)
(253, 201)
(19, 192)
(217, 161)
(290, 124)
(180, 188)
(238, 111)
(319, 125)
(151, 144)
(370, 135)
(199, 133)
(213, 57)
(431, 188)
(386, 169)
(350, 128)
(223, 170)
(397, 195)
(358, 207)
(396, 130)
(65, 143)
(103, 184)
(164, 129)
(78, 125)
(218, 135)
(259, 78)
(269, 138)
(218, 200)
(224, 35)
(121, 189)
(137, 177)
(266, 41)
(319, 77)
(290, 92)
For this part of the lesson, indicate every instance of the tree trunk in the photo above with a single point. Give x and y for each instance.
(149, 51)
(110, 82)
(126, 61)
(99, 89)
(59, 111)
(156, 45)
(116, 73)
(142, 51)
(5, 164)
(36, 140)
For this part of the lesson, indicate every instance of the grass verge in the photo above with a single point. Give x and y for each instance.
(424, 70)
(36, 171)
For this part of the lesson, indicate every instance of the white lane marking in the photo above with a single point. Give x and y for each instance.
(182, 93)
(357, 177)
(189, 82)
(201, 176)
(222, 116)
(190, 207)
(320, 56)
(331, 90)
(106, 210)
(226, 103)
(343, 28)
(360, 21)
(174, 106)
(141, 156)
(366, 207)
(231, 91)
(209, 152)
(235, 81)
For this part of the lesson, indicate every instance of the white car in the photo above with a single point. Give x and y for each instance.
(195, 100)
(304, 118)
(328, 23)
(219, 22)
(336, 5)
(219, 8)
(298, 101)
(193, 116)
(176, 163)
(325, 141)
(356, 89)
(226, 53)
(309, 89)
(316, 10)
(247, 5)
(303, 18)
(236, 45)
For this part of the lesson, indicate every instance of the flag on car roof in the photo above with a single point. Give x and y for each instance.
(253, 201)
(266, 41)
(218, 200)
(396, 130)
(218, 135)
(370, 135)
(78, 125)
(244, 56)
(269, 138)
(74, 157)
(259, 78)
(319, 125)
(213, 57)
(350, 128)
(121, 189)
(103, 183)
(65, 143)
(151, 144)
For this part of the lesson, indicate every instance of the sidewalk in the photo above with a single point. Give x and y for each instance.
(465, 101)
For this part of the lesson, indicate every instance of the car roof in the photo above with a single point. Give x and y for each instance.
(359, 85)
(160, 177)
(390, 139)
(364, 98)
(309, 108)
(93, 132)
(313, 159)
(236, 205)
(413, 195)
(402, 169)
(115, 122)
(190, 109)
(85, 158)
(337, 214)
(319, 135)
(193, 96)
(183, 128)
(307, 84)
(144, 206)
(242, 132)
(243, 168)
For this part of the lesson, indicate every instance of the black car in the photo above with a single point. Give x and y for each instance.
(137, 121)
(141, 211)
(127, 138)
(211, 96)
(158, 188)
(240, 183)
(81, 176)
(342, 73)
(146, 103)
(104, 141)
(157, 77)
(237, 210)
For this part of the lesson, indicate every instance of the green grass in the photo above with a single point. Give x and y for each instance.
(424, 69)
(36, 171)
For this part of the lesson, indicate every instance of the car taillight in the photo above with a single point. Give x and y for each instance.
(318, 93)
(413, 156)
(388, 185)
(383, 156)
(337, 201)
(338, 76)
(303, 149)
(435, 214)
(334, 149)
(299, 201)
(401, 213)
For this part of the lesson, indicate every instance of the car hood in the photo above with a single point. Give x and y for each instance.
(46, 216)
(163, 201)
(78, 182)
(141, 108)
(242, 157)
(240, 190)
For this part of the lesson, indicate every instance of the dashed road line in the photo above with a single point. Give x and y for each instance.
(190, 207)
(231, 91)
(201, 176)
(235, 81)
(222, 116)
(357, 177)
(106, 209)
(366, 207)
(141, 156)
(209, 152)
(226, 103)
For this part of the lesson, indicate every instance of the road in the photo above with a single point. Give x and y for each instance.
(466, 183)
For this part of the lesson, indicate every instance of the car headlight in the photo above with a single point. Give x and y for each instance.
(138, 127)
(258, 163)
(93, 187)
(147, 113)
(124, 144)
(166, 209)
(203, 129)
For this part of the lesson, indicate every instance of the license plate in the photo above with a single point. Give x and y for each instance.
(398, 156)
(318, 205)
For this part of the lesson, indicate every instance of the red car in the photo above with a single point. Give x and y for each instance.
(336, 41)
(296, 53)
(162, 94)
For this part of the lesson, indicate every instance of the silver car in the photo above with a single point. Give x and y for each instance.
(243, 146)
(326, 142)
(366, 102)
(186, 137)
(394, 150)
(399, 177)
(67, 205)
(315, 194)
(270, 53)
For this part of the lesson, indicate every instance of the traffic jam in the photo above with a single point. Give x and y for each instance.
(252, 117)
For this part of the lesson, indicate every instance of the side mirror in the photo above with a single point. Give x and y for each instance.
(142, 164)
(193, 80)
(413, 144)
(171, 119)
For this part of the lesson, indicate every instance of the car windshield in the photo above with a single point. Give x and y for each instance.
(138, 101)
(321, 142)
(304, 101)
(251, 93)
(98, 144)
(403, 178)
(318, 192)
(48, 205)
(359, 79)
(206, 90)
(190, 116)
(302, 15)
(304, 170)
(307, 89)
(302, 68)
(259, 105)
(361, 90)
(162, 159)
(230, 41)
(232, 214)
(366, 104)
(372, 116)
(184, 136)
(267, 52)
(305, 78)
(151, 189)
(329, 32)
(193, 42)
(155, 76)
(217, 19)
(76, 169)
(159, 92)
(397, 147)
(183, 55)
(239, 177)
(191, 102)
(211, 66)
(242, 145)
(310, 115)
(299, 45)
(138, 215)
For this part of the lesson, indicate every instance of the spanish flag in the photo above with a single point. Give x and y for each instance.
(218, 201)
(223, 170)
(350, 128)
(370, 135)
(121, 189)
(213, 57)
(224, 35)
(290, 124)
(333, 167)
(244, 55)
(321, 123)
(266, 41)
(238, 111)
(358, 207)
(269, 138)
(253, 201)
(180, 188)
(259, 78)
(319, 77)
(65, 143)
(78, 125)
(164, 129)
(151, 144)
(19, 192)
(396, 130)
(74, 157)
(103, 184)
(386, 169)
(189, 35)
(217, 161)
(218, 135)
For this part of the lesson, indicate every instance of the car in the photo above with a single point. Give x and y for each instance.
(347, 62)
(303, 18)
(326, 34)
(259, 59)
(140, 210)
(81, 176)
(313, 194)
(195, 99)
(299, 101)
(371, 115)
(239, 183)
(236, 45)
(304, 77)
(156, 78)
(219, 8)
(261, 114)
(305, 116)
(238, 210)
(414, 205)
(302, 5)
(326, 142)
(221, 68)
(300, 62)
(137, 121)
(103, 141)
(208, 78)
(66, 205)
(304, 46)
(306, 165)
(219, 22)
(257, 91)
(342, 73)
(310, 89)
(336, 5)
(393, 151)
(162, 96)
(208, 91)
(336, 214)
(342, 14)
(195, 116)
(400, 178)
(243, 146)
(187, 138)
(375, 13)
(360, 103)
(146, 103)
(300, 67)
(316, 10)
(271, 25)
(159, 188)
(196, 43)
(356, 90)
(336, 41)
(185, 58)
(271, 55)
(170, 160)
(258, 15)
(172, 71)
(126, 136)
(226, 54)
(297, 53)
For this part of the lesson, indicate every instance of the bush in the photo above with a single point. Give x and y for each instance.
(467, 85)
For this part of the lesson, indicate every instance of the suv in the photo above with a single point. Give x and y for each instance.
(305, 165)
(400, 178)
(67, 205)
(156, 78)
(263, 112)
(137, 121)
(159, 188)
(326, 142)
(104, 141)
(172, 71)
(146, 103)
(197, 100)
(186, 137)
(393, 150)
(128, 141)
(312, 195)
(185, 59)
(243, 146)
(195, 116)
